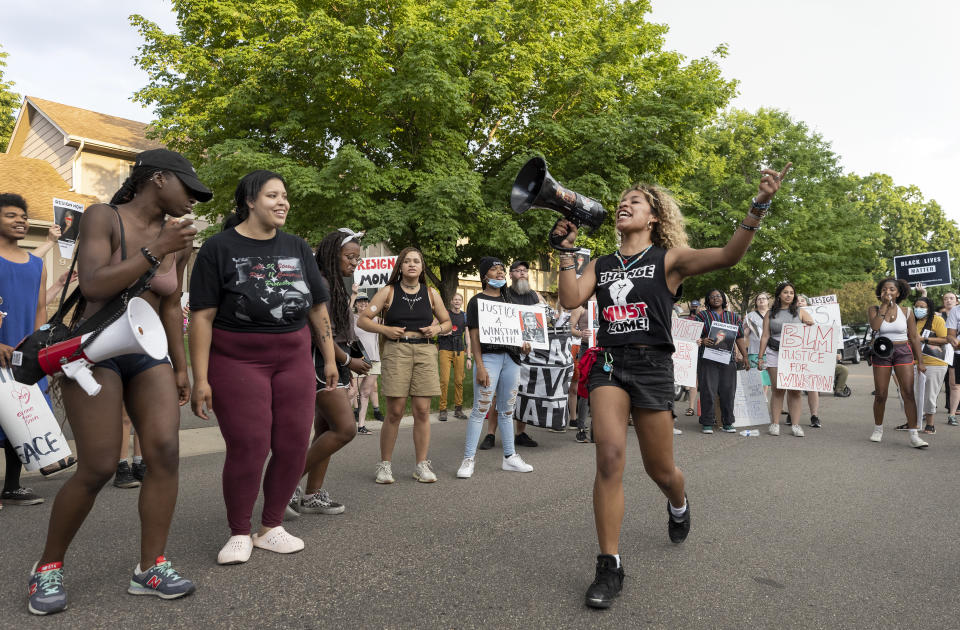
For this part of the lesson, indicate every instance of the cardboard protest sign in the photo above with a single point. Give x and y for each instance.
(808, 358)
(506, 324)
(825, 311)
(29, 424)
(67, 215)
(723, 336)
(930, 268)
(685, 335)
(373, 273)
(545, 382)
(749, 403)
(593, 323)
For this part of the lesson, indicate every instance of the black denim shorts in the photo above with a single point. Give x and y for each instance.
(646, 374)
(343, 380)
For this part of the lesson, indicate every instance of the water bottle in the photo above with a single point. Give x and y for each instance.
(750, 433)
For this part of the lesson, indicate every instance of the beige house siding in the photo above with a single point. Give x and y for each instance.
(45, 142)
(101, 175)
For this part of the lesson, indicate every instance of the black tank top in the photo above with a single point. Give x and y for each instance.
(413, 312)
(634, 303)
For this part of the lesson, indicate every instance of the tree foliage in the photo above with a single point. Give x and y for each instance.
(410, 118)
(9, 103)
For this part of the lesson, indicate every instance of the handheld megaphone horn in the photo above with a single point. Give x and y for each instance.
(535, 188)
(138, 331)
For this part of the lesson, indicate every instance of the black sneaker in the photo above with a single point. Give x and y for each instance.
(678, 530)
(903, 427)
(815, 422)
(458, 413)
(582, 437)
(789, 420)
(125, 478)
(843, 393)
(608, 583)
(522, 439)
(139, 470)
(377, 414)
(442, 416)
(20, 496)
(487, 443)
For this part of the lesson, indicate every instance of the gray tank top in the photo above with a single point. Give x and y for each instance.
(783, 317)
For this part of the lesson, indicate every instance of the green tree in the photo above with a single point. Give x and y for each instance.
(855, 298)
(410, 118)
(9, 103)
(812, 236)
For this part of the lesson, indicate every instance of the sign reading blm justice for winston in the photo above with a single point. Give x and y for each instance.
(930, 268)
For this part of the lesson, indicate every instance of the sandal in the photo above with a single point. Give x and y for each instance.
(56, 468)
(689, 411)
(902, 427)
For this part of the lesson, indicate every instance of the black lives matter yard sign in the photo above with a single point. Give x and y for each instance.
(930, 268)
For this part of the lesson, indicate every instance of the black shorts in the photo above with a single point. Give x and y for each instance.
(645, 374)
(343, 381)
(129, 365)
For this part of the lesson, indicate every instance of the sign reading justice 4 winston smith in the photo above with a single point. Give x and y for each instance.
(506, 324)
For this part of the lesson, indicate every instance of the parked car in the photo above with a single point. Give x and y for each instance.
(851, 345)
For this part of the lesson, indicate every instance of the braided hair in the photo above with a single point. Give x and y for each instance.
(139, 176)
(328, 258)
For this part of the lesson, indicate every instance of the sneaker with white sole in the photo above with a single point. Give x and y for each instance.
(236, 551)
(319, 502)
(466, 468)
(917, 442)
(797, 430)
(161, 580)
(515, 463)
(773, 429)
(424, 472)
(677, 431)
(384, 473)
(292, 511)
(877, 434)
(47, 595)
(278, 540)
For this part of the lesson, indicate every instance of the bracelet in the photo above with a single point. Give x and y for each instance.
(750, 228)
(568, 268)
(760, 206)
(347, 362)
(153, 260)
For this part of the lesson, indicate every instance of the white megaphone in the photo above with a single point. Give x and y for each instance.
(138, 331)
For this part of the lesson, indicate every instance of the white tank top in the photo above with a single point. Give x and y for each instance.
(895, 330)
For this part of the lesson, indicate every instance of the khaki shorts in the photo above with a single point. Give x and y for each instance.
(409, 369)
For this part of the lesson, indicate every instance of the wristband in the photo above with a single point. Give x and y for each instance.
(153, 260)
(756, 205)
(568, 268)
(750, 228)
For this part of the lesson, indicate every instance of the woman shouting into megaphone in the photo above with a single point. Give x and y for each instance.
(630, 372)
(119, 243)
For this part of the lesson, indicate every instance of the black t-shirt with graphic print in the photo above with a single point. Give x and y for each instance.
(265, 286)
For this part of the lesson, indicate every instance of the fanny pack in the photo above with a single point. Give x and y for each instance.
(773, 344)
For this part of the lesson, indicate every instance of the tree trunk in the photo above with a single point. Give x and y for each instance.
(449, 281)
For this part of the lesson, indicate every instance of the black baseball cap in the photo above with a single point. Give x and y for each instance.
(519, 263)
(694, 302)
(485, 263)
(167, 160)
(362, 296)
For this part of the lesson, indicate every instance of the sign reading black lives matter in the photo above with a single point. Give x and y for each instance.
(930, 268)
(506, 324)
(545, 382)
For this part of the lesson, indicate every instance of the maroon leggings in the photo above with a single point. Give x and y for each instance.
(263, 395)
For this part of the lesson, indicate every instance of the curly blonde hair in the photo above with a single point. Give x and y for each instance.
(669, 231)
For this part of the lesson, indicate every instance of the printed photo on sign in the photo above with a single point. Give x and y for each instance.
(808, 358)
(508, 324)
(67, 215)
(723, 336)
(373, 272)
(932, 269)
(271, 287)
(580, 260)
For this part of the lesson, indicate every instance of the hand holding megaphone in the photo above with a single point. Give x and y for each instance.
(175, 235)
(564, 233)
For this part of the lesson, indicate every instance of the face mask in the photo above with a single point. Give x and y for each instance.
(497, 284)
(920, 313)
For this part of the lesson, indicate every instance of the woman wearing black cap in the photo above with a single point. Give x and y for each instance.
(496, 371)
(630, 372)
(119, 242)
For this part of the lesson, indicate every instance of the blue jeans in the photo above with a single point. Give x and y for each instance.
(504, 376)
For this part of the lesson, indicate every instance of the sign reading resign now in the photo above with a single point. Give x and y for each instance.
(930, 268)
(373, 272)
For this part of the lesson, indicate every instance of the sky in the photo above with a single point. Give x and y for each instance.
(877, 79)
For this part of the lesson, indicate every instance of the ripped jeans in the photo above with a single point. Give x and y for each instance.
(504, 376)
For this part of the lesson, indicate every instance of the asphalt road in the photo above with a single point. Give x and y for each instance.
(828, 531)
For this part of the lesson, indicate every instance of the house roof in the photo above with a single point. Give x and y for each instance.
(95, 127)
(37, 182)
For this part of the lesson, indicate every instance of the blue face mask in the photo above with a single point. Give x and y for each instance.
(497, 284)
(920, 313)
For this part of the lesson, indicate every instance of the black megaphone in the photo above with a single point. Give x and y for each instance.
(535, 188)
(882, 348)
